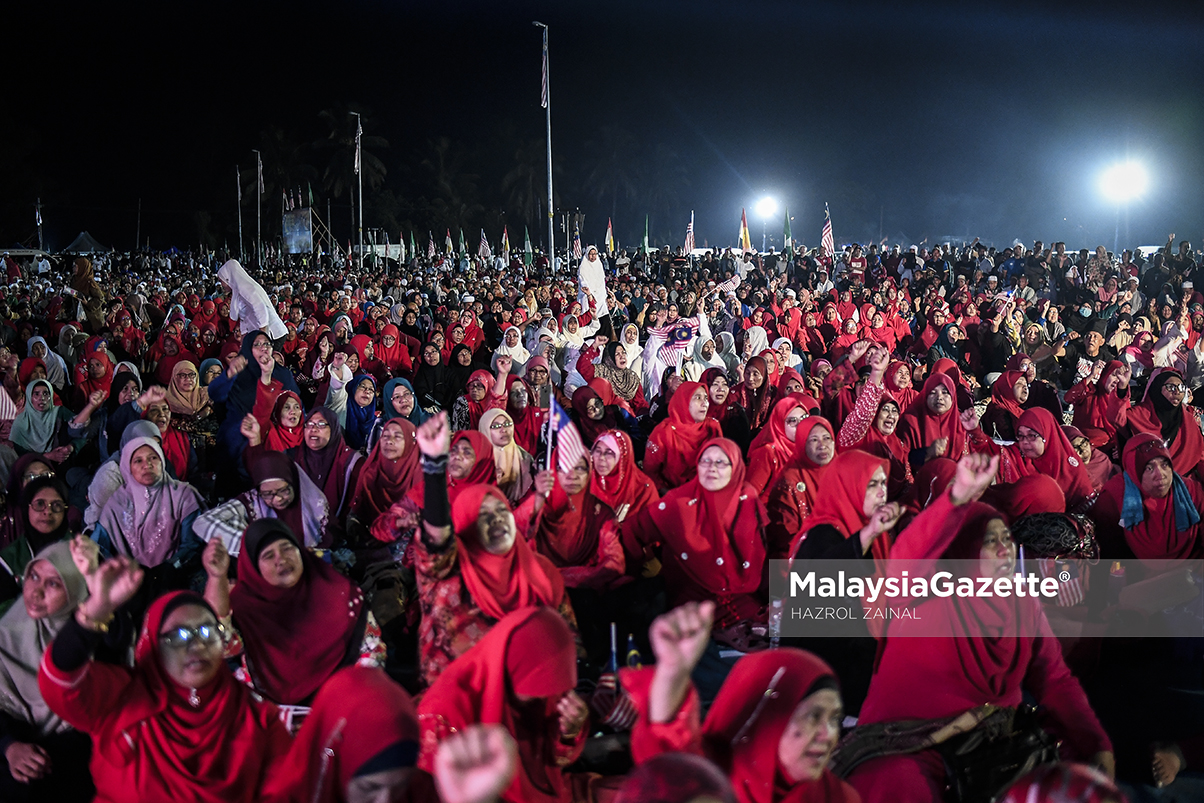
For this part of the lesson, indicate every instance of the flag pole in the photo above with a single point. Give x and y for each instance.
(238, 184)
(258, 206)
(546, 102)
(39, 211)
(359, 172)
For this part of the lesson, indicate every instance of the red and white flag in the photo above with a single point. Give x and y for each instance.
(827, 246)
(543, 86)
(430, 248)
(483, 250)
(689, 247)
(569, 449)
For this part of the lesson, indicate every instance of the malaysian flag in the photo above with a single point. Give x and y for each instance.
(677, 336)
(430, 248)
(826, 245)
(543, 86)
(569, 449)
(359, 132)
(689, 248)
(259, 167)
(483, 249)
(730, 285)
(576, 244)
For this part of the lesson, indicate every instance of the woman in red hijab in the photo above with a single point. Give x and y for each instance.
(1149, 511)
(1043, 448)
(286, 430)
(937, 677)
(712, 536)
(776, 753)
(1035, 493)
(722, 406)
(1101, 403)
(931, 426)
(851, 518)
(616, 480)
(756, 394)
(94, 373)
(573, 528)
(1163, 413)
(1008, 395)
(521, 676)
(391, 470)
(392, 353)
(176, 726)
(672, 455)
(360, 738)
(472, 566)
(527, 415)
(898, 383)
(773, 449)
(793, 497)
(871, 425)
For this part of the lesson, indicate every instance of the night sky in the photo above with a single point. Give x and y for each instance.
(911, 121)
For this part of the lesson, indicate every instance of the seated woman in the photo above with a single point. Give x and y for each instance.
(515, 467)
(932, 426)
(1008, 395)
(1101, 403)
(871, 427)
(614, 369)
(482, 392)
(1163, 413)
(1099, 468)
(709, 535)
(1043, 448)
(852, 517)
(189, 400)
(43, 756)
(898, 383)
(616, 480)
(528, 417)
(773, 449)
(772, 753)
(281, 491)
(755, 394)
(149, 518)
(359, 741)
(177, 447)
(671, 459)
(328, 461)
(390, 471)
(793, 497)
(592, 416)
(398, 401)
(43, 512)
(53, 432)
(566, 523)
(126, 388)
(468, 582)
(299, 620)
(108, 478)
(25, 470)
(174, 727)
(939, 678)
(733, 422)
(521, 676)
(359, 414)
(1149, 511)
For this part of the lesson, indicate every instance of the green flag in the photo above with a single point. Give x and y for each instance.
(645, 235)
(413, 248)
(463, 247)
(310, 187)
(786, 238)
(527, 255)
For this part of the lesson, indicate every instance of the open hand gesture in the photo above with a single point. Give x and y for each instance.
(155, 394)
(110, 585)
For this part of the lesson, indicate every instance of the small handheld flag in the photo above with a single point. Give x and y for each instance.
(528, 254)
(430, 248)
(505, 246)
(447, 242)
(570, 450)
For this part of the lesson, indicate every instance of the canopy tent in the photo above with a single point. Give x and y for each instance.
(85, 244)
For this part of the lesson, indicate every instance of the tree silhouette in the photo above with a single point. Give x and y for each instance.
(613, 156)
(336, 151)
(525, 184)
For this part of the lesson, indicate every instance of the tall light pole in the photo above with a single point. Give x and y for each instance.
(545, 100)
(359, 173)
(1120, 184)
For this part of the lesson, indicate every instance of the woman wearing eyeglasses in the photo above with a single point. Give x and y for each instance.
(328, 461)
(174, 727)
(1162, 412)
(43, 521)
(773, 448)
(710, 535)
(299, 619)
(389, 473)
(515, 467)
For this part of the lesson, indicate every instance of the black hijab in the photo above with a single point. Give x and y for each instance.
(1170, 415)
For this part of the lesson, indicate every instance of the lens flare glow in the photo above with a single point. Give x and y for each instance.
(1124, 182)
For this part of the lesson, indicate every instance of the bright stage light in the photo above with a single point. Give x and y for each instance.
(1124, 182)
(766, 208)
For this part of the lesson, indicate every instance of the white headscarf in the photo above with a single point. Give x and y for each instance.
(249, 303)
(592, 279)
(755, 341)
(517, 353)
(56, 368)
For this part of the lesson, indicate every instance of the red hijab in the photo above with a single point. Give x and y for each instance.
(919, 427)
(772, 446)
(393, 357)
(1101, 413)
(1060, 461)
(811, 473)
(1176, 425)
(716, 412)
(87, 384)
(476, 409)
(281, 438)
(741, 733)
(500, 584)
(1036, 493)
(1003, 393)
(532, 653)
(682, 436)
(588, 427)
(569, 526)
(933, 479)
(1157, 536)
(327, 753)
(483, 470)
(903, 395)
(719, 531)
(626, 485)
(383, 481)
(296, 637)
(842, 503)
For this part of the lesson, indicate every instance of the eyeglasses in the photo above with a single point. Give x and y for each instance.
(31, 477)
(41, 505)
(316, 425)
(280, 493)
(1175, 388)
(399, 395)
(794, 421)
(717, 464)
(183, 637)
(501, 425)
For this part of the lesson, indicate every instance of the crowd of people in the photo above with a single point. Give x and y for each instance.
(317, 530)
